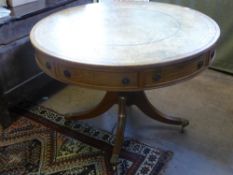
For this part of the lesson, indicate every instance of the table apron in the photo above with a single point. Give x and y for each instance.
(123, 79)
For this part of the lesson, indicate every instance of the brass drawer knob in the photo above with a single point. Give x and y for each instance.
(67, 73)
(156, 77)
(200, 64)
(212, 54)
(125, 81)
(48, 65)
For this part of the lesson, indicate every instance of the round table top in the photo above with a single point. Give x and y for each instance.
(125, 34)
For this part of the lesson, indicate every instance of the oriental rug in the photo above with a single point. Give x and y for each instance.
(42, 142)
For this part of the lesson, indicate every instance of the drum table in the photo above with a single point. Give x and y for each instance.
(125, 48)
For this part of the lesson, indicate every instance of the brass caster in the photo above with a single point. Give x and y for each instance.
(114, 168)
(183, 125)
(114, 161)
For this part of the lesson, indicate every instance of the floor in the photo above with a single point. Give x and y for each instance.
(206, 147)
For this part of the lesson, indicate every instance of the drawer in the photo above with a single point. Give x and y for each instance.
(100, 79)
(173, 73)
(97, 78)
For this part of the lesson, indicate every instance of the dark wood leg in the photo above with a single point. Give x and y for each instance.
(141, 101)
(119, 132)
(107, 102)
(124, 99)
(133, 98)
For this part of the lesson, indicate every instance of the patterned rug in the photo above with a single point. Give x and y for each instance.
(32, 146)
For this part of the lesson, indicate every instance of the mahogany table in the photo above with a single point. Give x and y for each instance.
(125, 48)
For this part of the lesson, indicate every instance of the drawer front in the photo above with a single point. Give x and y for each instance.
(106, 80)
(98, 79)
(173, 73)
(123, 79)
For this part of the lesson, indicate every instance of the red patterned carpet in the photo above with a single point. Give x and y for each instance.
(32, 146)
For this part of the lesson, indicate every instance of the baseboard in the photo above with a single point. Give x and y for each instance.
(33, 89)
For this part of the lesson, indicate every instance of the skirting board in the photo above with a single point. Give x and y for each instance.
(32, 90)
(14, 3)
